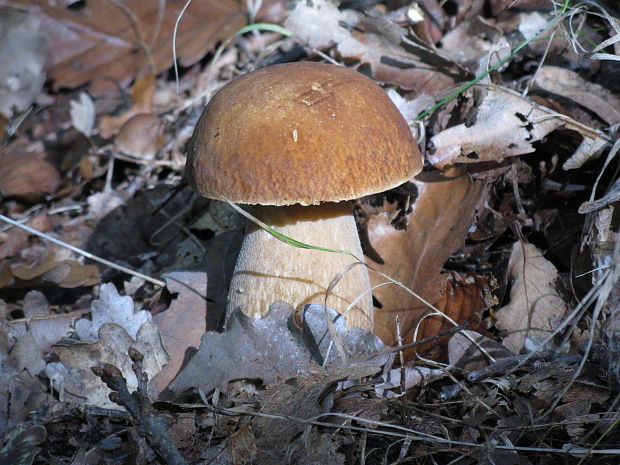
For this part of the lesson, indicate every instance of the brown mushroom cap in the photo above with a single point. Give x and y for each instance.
(300, 133)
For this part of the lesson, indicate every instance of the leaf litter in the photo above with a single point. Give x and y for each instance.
(510, 233)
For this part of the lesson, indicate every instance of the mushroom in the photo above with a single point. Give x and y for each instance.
(140, 136)
(296, 141)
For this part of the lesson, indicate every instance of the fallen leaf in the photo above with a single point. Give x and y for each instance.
(25, 173)
(20, 447)
(249, 349)
(102, 203)
(392, 55)
(270, 349)
(111, 307)
(317, 447)
(113, 42)
(15, 239)
(432, 23)
(506, 124)
(83, 114)
(465, 354)
(20, 395)
(571, 85)
(26, 356)
(475, 44)
(182, 325)
(64, 273)
(464, 299)
(46, 329)
(82, 386)
(440, 218)
(356, 343)
(535, 307)
(142, 94)
(612, 196)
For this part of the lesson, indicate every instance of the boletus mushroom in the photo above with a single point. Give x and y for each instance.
(296, 141)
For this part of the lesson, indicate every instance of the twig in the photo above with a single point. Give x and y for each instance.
(403, 375)
(151, 425)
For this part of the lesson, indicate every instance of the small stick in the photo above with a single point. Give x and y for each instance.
(403, 373)
(151, 425)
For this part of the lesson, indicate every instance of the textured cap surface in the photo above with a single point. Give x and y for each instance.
(300, 133)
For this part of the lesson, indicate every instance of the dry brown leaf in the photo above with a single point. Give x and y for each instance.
(142, 93)
(183, 324)
(463, 299)
(535, 307)
(441, 216)
(569, 84)
(392, 55)
(15, 239)
(110, 42)
(25, 173)
(506, 124)
(65, 273)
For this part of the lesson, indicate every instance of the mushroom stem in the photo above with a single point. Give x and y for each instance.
(269, 270)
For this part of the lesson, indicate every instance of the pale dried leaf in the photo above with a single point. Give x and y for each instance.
(82, 386)
(535, 307)
(392, 55)
(505, 124)
(111, 307)
(612, 196)
(26, 356)
(23, 50)
(82, 113)
(269, 349)
(262, 349)
(588, 149)
(46, 330)
(476, 44)
(102, 203)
